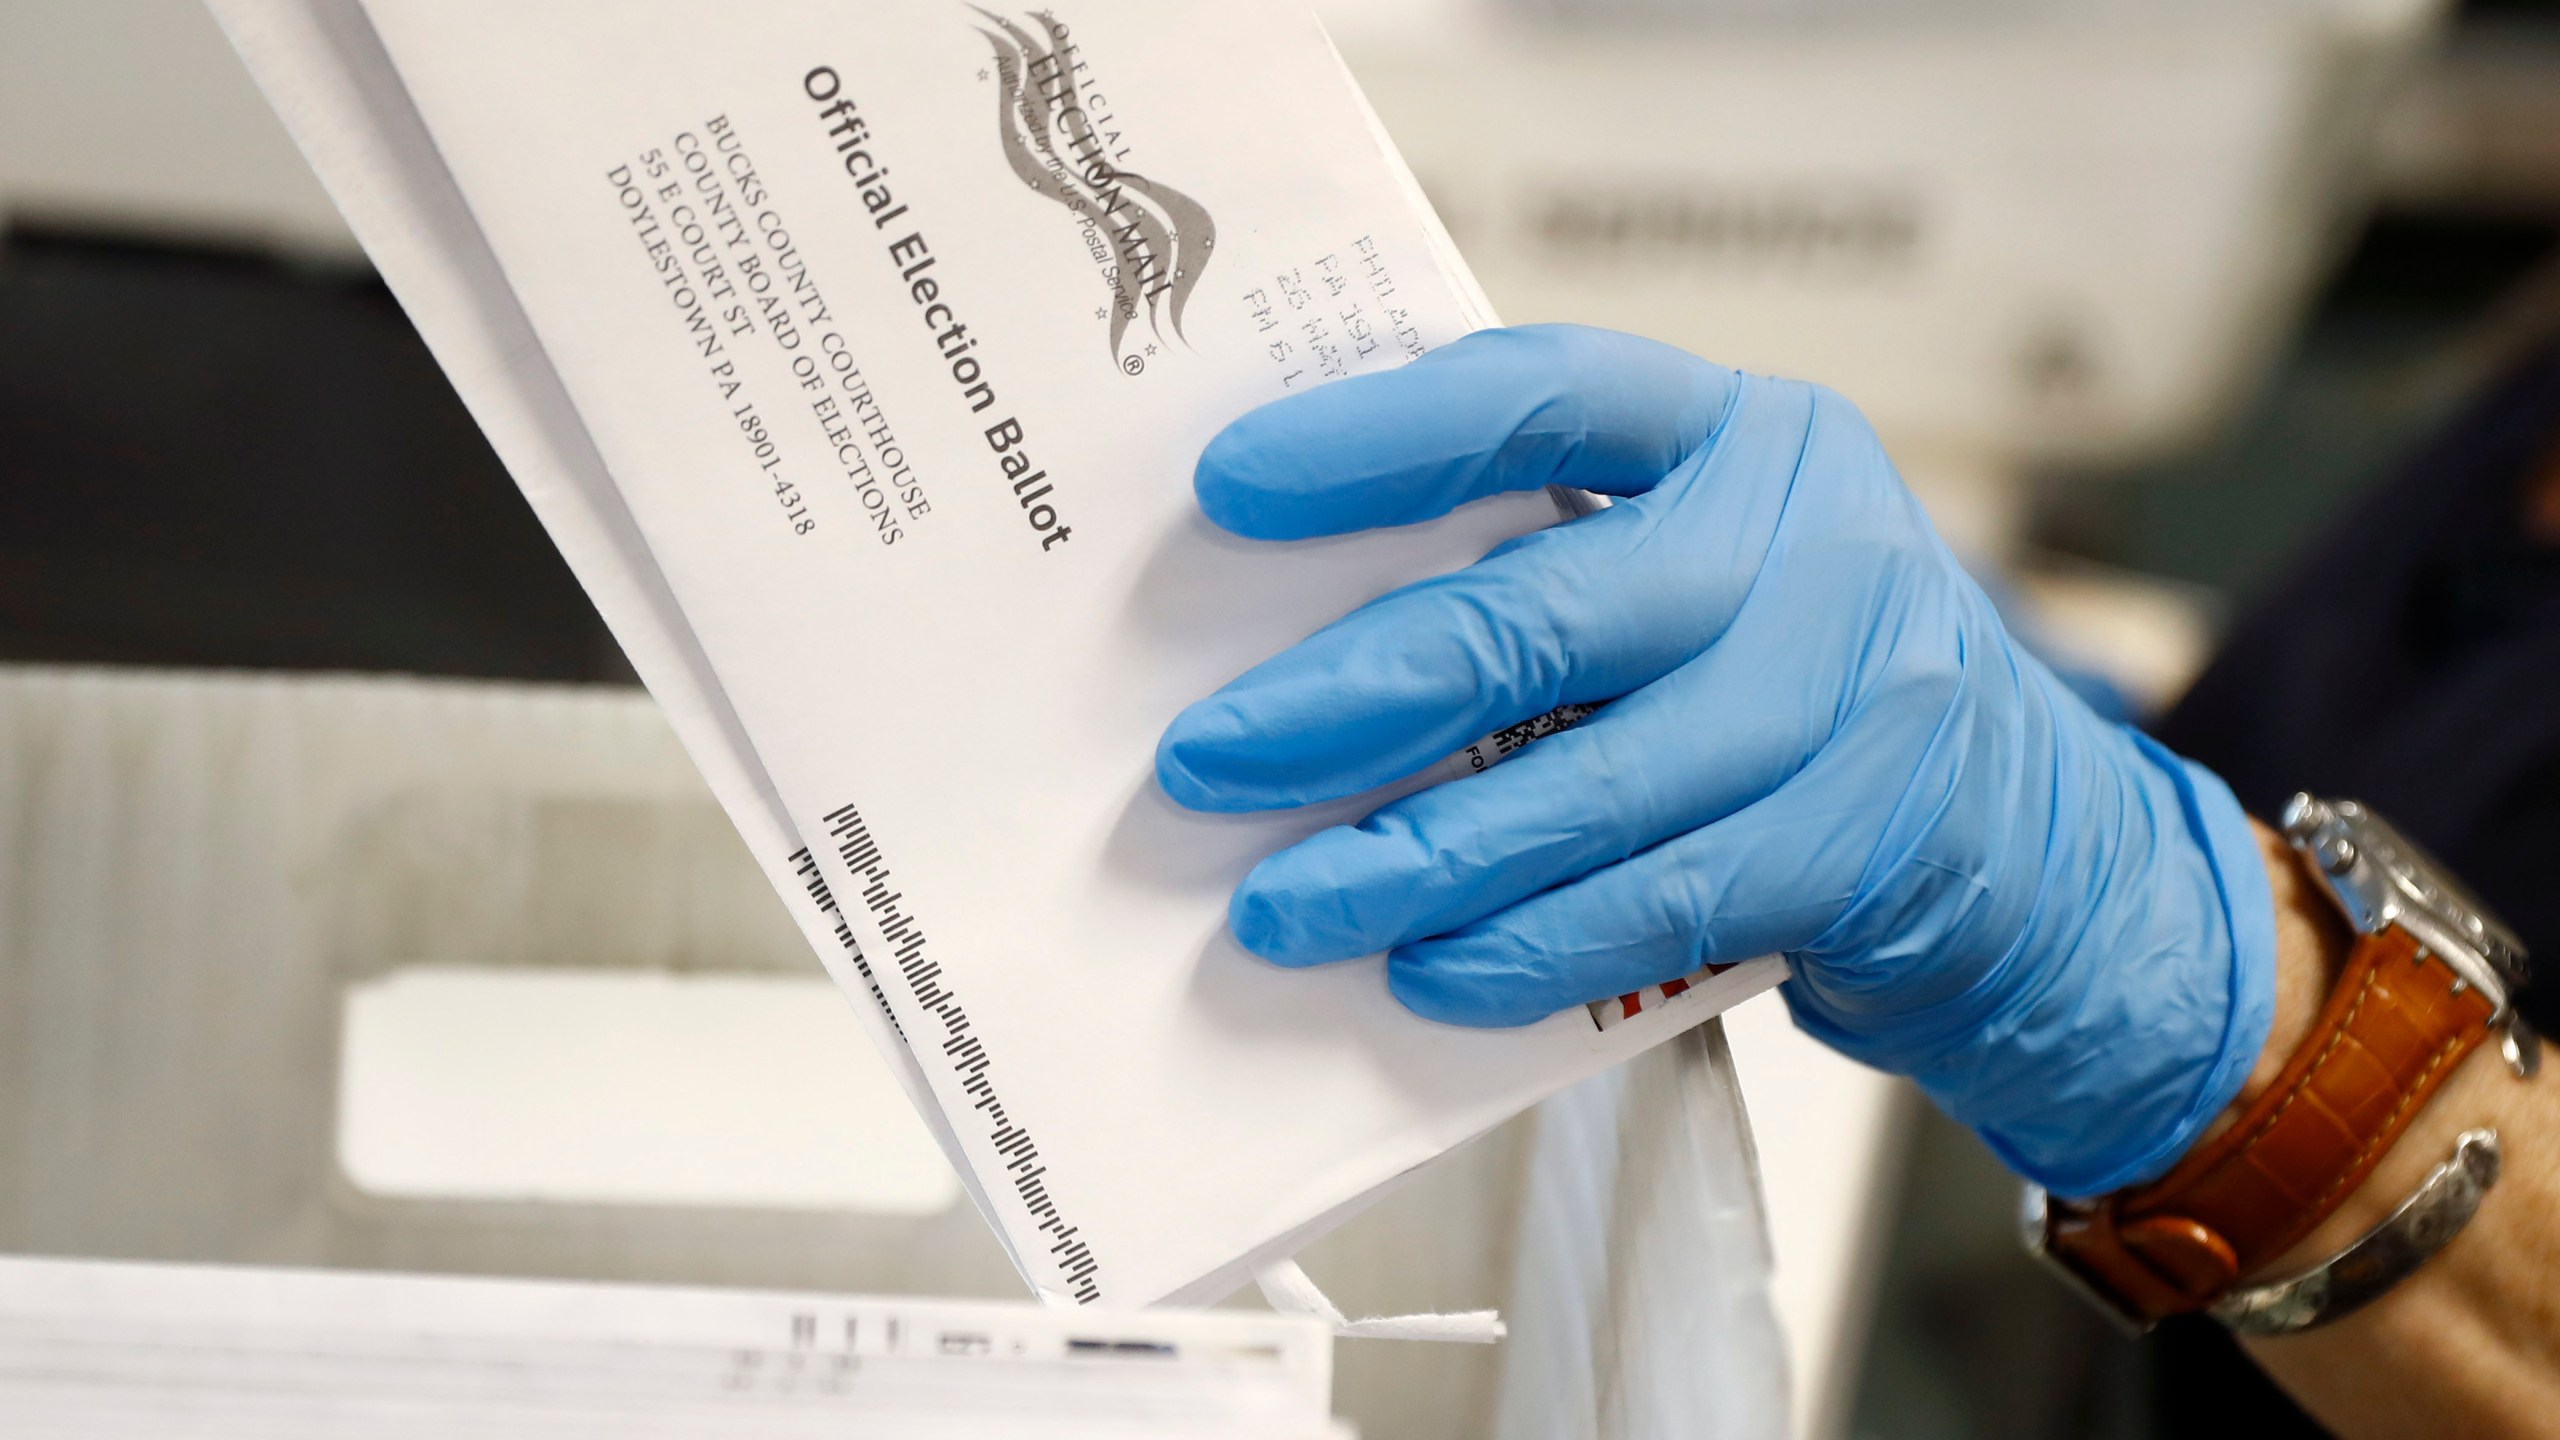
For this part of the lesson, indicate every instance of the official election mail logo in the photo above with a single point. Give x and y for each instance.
(1147, 240)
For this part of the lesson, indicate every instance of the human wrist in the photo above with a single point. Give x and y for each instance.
(2313, 943)
(2369, 1049)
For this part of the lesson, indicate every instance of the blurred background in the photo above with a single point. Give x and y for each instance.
(331, 822)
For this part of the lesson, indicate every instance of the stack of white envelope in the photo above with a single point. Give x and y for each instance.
(856, 356)
(208, 1353)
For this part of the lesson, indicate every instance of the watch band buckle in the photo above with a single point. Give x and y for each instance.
(2035, 1232)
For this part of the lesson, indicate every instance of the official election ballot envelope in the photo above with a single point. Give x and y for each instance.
(858, 357)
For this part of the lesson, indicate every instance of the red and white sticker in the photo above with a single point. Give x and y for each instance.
(1621, 1008)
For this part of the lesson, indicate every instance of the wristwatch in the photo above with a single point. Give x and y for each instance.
(2432, 976)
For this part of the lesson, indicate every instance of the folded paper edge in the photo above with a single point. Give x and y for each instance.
(1291, 1291)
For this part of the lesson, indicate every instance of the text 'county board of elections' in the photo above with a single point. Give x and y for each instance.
(857, 357)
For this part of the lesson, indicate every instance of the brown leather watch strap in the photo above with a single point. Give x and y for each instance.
(2392, 1030)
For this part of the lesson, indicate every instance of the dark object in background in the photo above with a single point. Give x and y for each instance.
(211, 459)
(2410, 660)
(2392, 350)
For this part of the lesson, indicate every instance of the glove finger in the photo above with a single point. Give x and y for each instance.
(1771, 878)
(1495, 411)
(1586, 611)
(1685, 751)
(1411, 677)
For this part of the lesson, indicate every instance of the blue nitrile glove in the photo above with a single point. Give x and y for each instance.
(1821, 743)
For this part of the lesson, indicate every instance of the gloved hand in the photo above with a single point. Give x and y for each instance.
(1819, 742)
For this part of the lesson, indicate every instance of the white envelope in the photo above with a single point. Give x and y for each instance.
(931, 611)
(199, 1352)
